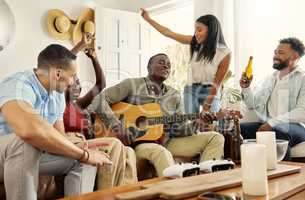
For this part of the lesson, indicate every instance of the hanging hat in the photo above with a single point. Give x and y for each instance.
(59, 25)
(85, 23)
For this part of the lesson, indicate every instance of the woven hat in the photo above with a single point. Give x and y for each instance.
(85, 23)
(58, 24)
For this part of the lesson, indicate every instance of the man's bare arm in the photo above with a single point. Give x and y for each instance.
(59, 126)
(33, 129)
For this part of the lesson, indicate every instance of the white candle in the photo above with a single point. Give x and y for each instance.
(254, 170)
(268, 138)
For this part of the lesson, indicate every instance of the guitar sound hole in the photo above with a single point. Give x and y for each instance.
(141, 122)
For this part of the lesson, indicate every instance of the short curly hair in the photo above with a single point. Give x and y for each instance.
(296, 44)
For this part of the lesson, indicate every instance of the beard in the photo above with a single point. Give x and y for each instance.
(281, 65)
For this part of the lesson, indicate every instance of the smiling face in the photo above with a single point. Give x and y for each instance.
(201, 32)
(159, 67)
(73, 91)
(284, 56)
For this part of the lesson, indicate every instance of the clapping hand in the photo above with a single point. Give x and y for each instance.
(86, 40)
(91, 53)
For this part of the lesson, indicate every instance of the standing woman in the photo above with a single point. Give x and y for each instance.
(210, 59)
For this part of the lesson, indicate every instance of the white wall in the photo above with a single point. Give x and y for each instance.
(31, 35)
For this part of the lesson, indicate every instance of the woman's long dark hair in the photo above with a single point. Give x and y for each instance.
(207, 49)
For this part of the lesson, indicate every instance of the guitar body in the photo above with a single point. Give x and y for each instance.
(144, 123)
(133, 118)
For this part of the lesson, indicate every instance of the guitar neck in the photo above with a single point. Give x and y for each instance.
(176, 118)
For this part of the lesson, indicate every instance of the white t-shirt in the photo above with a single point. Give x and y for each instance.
(203, 71)
(278, 103)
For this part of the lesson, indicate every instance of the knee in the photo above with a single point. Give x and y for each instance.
(129, 150)
(155, 150)
(163, 154)
(282, 128)
(213, 139)
(217, 139)
(130, 153)
(19, 147)
(32, 153)
(117, 142)
(115, 147)
(162, 149)
(111, 140)
(113, 143)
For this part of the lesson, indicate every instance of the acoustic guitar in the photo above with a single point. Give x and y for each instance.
(145, 122)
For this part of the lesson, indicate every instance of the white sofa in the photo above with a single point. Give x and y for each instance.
(297, 152)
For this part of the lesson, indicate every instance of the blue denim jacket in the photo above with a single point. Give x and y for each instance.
(257, 98)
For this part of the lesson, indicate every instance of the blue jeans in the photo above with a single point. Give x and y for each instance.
(293, 132)
(195, 95)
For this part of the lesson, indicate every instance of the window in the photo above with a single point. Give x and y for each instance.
(180, 19)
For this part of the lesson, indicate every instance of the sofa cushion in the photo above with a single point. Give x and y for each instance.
(298, 150)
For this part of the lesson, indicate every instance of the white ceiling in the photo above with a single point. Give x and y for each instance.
(130, 5)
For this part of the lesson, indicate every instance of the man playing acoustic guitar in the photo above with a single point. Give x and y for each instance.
(180, 139)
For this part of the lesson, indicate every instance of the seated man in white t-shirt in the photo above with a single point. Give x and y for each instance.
(279, 101)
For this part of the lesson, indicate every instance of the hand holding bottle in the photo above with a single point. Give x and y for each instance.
(247, 76)
(249, 69)
(245, 82)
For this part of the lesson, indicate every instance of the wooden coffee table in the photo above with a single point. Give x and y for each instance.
(290, 187)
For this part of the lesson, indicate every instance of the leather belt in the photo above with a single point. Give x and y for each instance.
(202, 85)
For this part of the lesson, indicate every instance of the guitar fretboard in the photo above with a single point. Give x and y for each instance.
(176, 118)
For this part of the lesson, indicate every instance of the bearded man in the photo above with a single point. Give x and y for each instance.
(279, 100)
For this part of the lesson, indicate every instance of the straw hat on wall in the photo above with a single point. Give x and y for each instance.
(85, 23)
(59, 25)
